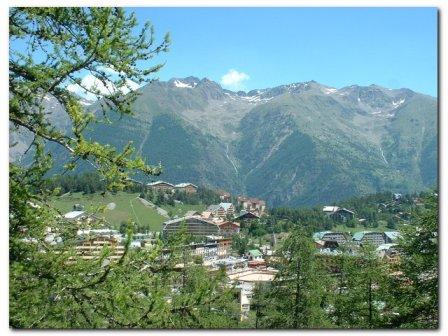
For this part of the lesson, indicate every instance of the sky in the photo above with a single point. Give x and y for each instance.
(256, 48)
(250, 48)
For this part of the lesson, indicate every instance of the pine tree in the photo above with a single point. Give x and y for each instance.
(414, 286)
(297, 295)
(50, 285)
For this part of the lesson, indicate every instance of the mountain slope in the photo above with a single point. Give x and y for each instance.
(296, 144)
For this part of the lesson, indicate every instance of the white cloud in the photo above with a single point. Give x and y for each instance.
(234, 79)
(89, 81)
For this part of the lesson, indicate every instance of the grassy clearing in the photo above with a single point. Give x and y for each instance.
(181, 209)
(127, 207)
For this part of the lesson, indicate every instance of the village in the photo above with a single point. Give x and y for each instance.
(212, 232)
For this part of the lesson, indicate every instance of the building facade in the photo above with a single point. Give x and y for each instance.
(330, 236)
(228, 228)
(254, 205)
(195, 225)
(221, 210)
(338, 214)
(161, 186)
(188, 188)
(224, 196)
(374, 238)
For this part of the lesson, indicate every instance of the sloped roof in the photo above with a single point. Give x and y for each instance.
(255, 253)
(247, 214)
(347, 210)
(393, 235)
(159, 182)
(228, 222)
(330, 208)
(181, 219)
(206, 214)
(213, 208)
(73, 214)
(360, 235)
(320, 242)
(225, 206)
(186, 184)
(319, 235)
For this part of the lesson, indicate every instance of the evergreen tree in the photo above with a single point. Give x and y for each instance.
(359, 290)
(50, 285)
(414, 285)
(297, 297)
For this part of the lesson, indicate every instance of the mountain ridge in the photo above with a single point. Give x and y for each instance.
(295, 144)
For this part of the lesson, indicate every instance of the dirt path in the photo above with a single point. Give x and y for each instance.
(160, 211)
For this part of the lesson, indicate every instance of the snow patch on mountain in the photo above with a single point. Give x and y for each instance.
(179, 84)
(398, 103)
(255, 99)
(329, 90)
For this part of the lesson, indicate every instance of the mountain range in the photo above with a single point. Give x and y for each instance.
(292, 145)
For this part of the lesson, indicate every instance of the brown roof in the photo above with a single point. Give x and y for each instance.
(250, 199)
(223, 193)
(228, 222)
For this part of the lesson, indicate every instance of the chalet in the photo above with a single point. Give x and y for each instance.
(188, 188)
(221, 209)
(80, 217)
(161, 186)
(328, 209)
(228, 228)
(224, 196)
(252, 205)
(224, 245)
(397, 196)
(374, 238)
(246, 215)
(254, 255)
(337, 213)
(343, 215)
(197, 249)
(211, 249)
(388, 252)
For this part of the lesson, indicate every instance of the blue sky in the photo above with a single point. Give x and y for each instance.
(265, 47)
